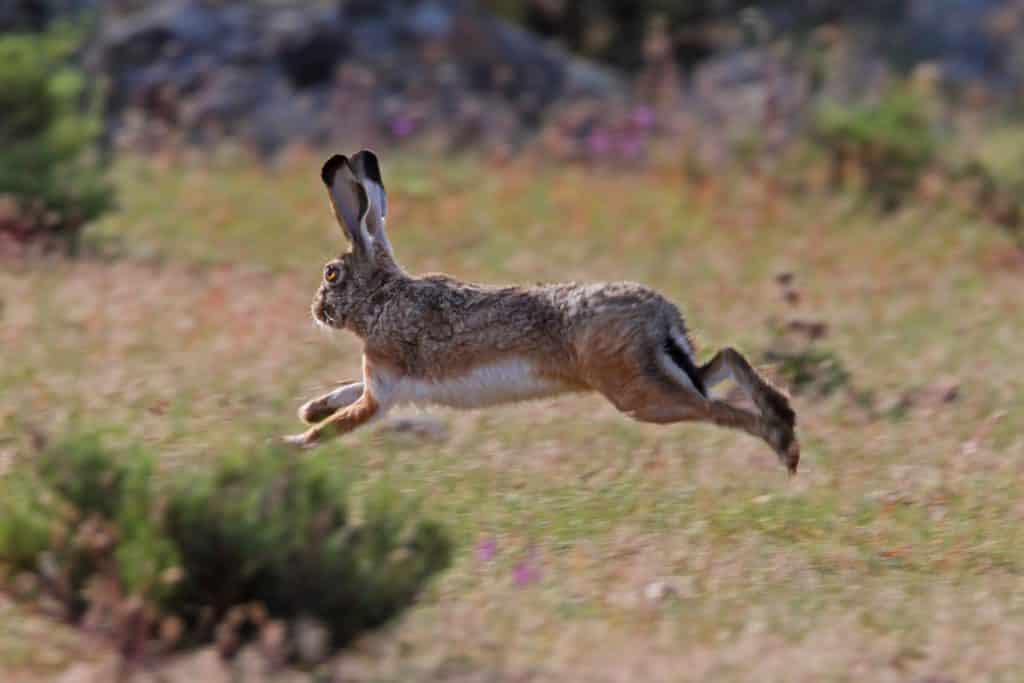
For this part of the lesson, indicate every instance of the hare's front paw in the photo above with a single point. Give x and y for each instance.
(303, 441)
(316, 411)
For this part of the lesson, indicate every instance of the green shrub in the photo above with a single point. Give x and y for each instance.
(891, 141)
(277, 530)
(990, 178)
(810, 371)
(269, 530)
(80, 511)
(50, 181)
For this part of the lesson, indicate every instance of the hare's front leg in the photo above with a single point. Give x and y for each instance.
(322, 407)
(373, 397)
(364, 409)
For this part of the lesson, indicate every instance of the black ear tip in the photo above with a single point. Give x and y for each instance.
(331, 167)
(370, 166)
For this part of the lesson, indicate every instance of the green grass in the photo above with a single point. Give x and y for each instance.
(895, 554)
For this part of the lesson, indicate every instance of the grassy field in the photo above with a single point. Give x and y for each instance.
(590, 547)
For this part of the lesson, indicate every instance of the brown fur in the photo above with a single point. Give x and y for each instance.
(608, 337)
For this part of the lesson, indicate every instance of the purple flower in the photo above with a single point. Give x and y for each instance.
(526, 572)
(643, 117)
(402, 126)
(487, 549)
(599, 141)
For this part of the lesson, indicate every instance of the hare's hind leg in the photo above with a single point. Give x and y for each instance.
(322, 407)
(649, 400)
(777, 422)
(650, 390)
(780, 437)
(729, 362)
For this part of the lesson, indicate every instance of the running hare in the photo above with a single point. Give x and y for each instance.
(435, 340)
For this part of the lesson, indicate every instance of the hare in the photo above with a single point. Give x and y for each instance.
(435, 340)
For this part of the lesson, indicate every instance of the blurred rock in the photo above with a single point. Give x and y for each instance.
(274, 643)
(752, 90)
(658, 591)
(669, 587)
(92, 672)
(448, 74)
(270, 74)
(251, 666)
(203, 665)
(33, 15)
(312, 640)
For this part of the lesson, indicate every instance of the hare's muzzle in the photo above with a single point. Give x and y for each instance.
(319, 308)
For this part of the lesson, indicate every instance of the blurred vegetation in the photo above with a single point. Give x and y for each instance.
(274, 536)
(904, 529)
(614, 30)
(810, 371)
(51, 183)
(891, 142)
(894, 148)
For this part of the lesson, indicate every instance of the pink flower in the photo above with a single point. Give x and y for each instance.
(599, 142)
(402, 126)
(526, 571)
(643, 117)
(487, 549)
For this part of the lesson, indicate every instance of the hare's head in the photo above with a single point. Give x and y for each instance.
(360, 205)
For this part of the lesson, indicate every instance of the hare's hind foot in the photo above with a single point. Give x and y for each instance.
(780, 420)
(780, 425)
(782, 439)
(777, 422)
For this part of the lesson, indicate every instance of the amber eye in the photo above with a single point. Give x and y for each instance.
(331, 273)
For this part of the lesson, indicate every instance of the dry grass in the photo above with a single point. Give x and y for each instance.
(591, 548)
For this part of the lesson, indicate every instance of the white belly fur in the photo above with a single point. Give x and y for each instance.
(499, 382)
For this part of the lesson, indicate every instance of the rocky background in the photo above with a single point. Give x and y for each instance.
(500, 75)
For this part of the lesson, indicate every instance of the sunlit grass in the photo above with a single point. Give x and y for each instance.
(895, 553)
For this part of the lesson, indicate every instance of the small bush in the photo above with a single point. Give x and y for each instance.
(810, 371)
(269, 534)
(994, 195)
(277, 531)
(801, 359)
(890, 142)
(50, 180)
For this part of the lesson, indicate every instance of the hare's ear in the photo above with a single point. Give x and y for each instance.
(367, 170)
(349, 200)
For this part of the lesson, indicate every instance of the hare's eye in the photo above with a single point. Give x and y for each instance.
(331, 273)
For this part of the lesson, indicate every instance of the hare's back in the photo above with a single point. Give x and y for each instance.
(626, 307)
(440, 326)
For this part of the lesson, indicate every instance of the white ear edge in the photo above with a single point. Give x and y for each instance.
(349, 199)
(366, 167)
